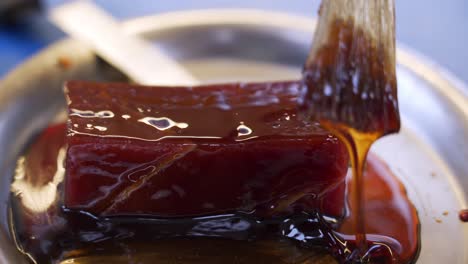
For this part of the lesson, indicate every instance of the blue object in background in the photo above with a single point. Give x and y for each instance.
(438, 29)
(14, 46)
(21, 41)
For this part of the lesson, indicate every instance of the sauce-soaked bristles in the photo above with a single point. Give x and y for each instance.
(351, 84)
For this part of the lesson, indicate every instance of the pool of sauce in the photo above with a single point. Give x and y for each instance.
(49, 234)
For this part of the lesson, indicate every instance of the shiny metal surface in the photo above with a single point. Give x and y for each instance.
(137, 58)
(429, 154)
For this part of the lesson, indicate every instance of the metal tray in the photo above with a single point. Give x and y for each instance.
(430, 154)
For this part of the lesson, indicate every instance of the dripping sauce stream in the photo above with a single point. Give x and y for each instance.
(358, 145)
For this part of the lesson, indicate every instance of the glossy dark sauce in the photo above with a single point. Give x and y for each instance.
(227, 113)
(55, 235)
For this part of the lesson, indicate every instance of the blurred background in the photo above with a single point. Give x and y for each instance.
(435, 28)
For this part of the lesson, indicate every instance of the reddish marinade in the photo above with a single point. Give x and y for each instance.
(56, 234)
